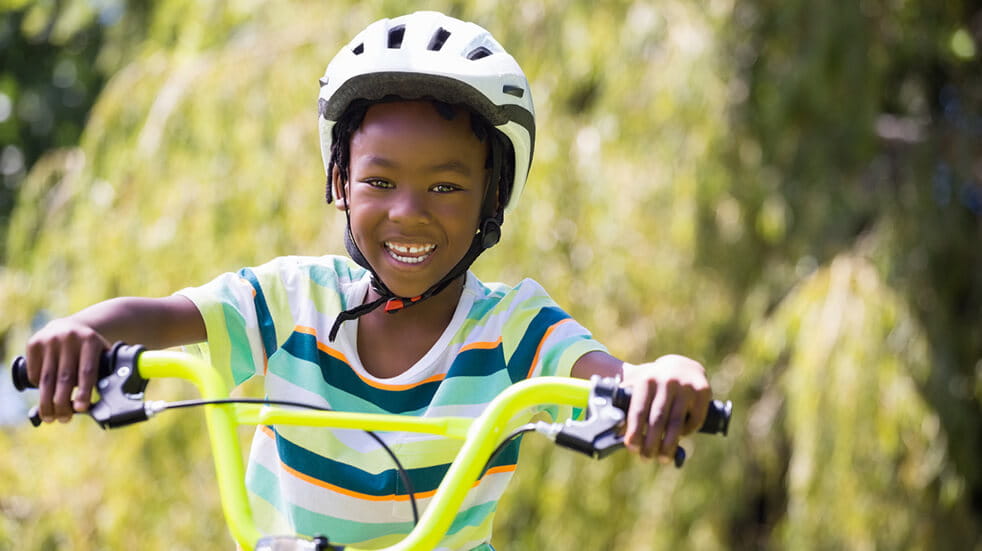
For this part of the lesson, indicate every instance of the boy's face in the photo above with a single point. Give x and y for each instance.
(415, 189)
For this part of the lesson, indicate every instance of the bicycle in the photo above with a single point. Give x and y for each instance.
(125, 371)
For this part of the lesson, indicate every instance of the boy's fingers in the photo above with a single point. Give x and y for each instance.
(34, 360)
(697, 413)
(88, 372)
(658, 418)
(675, 425)
(46, 380)
(637, 414)
(65, 383)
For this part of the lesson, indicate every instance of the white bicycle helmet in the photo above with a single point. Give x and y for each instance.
(431, 55)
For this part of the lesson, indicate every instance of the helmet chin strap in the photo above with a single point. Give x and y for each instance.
(487, 235)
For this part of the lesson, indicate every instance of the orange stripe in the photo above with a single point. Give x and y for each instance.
(321, 346)
(535, 360)
(481, 345)
(339, 356)
(392, 497)
(436, 378)
(499, 469)
(318, 482)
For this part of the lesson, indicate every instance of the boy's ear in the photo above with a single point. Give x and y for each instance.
(339, 199)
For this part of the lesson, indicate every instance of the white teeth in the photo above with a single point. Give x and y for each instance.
(411, 249)
(408, 259)
(422, 250)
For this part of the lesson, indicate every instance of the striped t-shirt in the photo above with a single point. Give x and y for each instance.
(273, 321)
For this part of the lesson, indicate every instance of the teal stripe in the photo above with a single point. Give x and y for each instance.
(347, 532)
(327, 275)
(473, 516)
(264, 484)
(339, 375)
(459, 391)
(336, 473)
(330, 276)
(484, 306)
(384, 483)
(521, 360)
(477, 362)
(342, 531)
(508, 456)
(267, 329)
(308, 375)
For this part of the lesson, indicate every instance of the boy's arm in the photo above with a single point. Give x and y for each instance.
(65, 353)
(669, 399)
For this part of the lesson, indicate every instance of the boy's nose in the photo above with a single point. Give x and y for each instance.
(409, 207)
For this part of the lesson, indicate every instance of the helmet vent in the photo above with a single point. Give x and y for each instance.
(479, 53)
(359, 49)
(439, 38)
(395, 36)
(513, 90)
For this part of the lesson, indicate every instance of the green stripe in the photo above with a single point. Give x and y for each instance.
(241, 364)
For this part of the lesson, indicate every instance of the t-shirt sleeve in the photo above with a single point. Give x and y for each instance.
(551, 340)
(243, 312)
(561, 347)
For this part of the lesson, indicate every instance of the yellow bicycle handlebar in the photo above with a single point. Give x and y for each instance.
(125, 371)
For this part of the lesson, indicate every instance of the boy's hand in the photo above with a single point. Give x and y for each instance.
(63, 355)
(669, 400)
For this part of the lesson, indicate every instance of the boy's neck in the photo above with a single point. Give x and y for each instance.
(389, 344)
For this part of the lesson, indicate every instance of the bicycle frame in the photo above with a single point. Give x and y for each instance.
(480, 436)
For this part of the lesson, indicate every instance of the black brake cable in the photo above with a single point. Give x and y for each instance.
(501, 447)
(403, 475)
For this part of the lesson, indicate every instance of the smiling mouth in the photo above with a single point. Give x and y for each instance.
(409, 254)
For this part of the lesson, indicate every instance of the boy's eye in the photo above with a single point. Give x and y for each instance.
(445, 188)
(378, 183)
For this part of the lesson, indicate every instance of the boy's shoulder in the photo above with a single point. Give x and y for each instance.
(333, 266)
(494, 298)
(497, 290)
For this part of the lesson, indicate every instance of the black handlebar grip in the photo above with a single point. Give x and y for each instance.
(717, 414)
(18, 371)
(717, 417)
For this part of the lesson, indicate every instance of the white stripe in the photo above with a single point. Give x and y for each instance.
(328, 502)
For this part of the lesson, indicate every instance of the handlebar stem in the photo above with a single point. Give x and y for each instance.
(222, 424)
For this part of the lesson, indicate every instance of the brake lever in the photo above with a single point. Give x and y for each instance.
(120, 388)
(121, 394)
(601, 433)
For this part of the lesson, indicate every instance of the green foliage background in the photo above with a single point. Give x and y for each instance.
(790, 192)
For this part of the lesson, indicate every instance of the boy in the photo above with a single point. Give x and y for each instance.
(427, 131)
